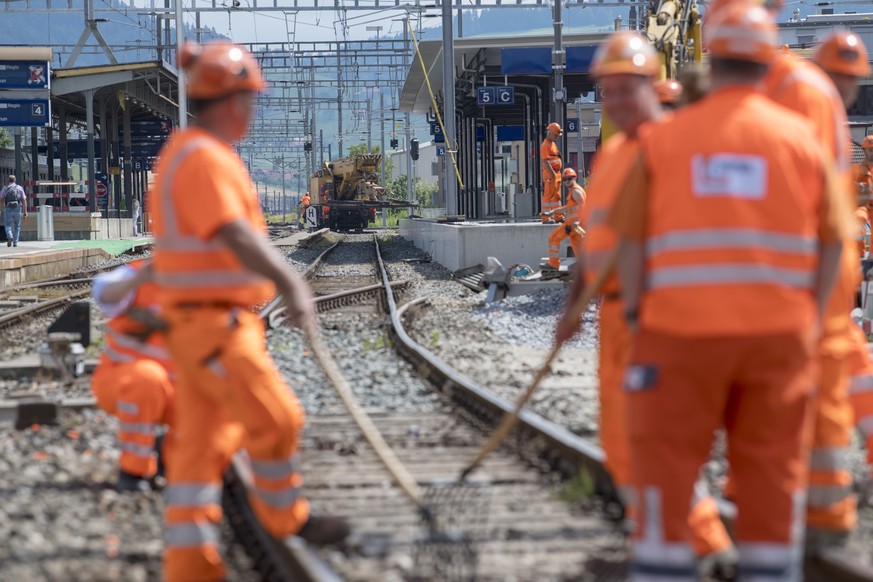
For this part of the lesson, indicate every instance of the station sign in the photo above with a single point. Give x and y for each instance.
(25, 113)
(572, 125)
(439, 138)
(24, 75)
(495, 96)
(440, 151)
(76, 148)
(435, 129)
(147, 127)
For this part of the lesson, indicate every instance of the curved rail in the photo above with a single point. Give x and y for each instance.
(37, 308)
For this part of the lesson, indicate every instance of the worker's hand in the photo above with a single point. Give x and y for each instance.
(300, 307)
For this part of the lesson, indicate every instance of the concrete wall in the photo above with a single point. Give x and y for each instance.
(457, 246)
(80, 226)
(37, 264)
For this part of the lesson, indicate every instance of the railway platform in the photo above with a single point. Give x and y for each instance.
(35, 260)
(458, 245)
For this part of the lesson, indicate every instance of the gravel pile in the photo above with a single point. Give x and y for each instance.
(61, 520)
(501, 346)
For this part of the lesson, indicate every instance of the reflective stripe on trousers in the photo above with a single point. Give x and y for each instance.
(283, 471)
(652, 557)
(833, 460)
(191, 496)
(144, 349)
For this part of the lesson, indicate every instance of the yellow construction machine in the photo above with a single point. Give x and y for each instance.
(346, 193)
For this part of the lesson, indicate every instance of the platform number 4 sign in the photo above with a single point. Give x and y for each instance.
(36, 109)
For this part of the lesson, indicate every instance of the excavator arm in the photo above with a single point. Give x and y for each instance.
(674, 28)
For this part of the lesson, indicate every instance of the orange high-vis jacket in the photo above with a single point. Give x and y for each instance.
(615, 158)
(124, 341)
(305, 202)
(550, 158)
(201, 186)
(805, 89)
(731, 219)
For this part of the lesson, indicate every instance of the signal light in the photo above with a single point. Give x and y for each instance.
(413, 149)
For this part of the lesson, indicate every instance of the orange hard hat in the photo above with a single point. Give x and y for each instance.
(775, 5)
(844, 53)
(568, 173)
(668, 90)
(742, 31)
(625, 53)
(868, 142)
(217, 69)
(555, 128)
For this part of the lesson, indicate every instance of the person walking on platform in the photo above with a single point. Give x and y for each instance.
(135, 215)
(14, 207)
(133, 380)
(626, 65)
(570, 227)
(730, 244)
(803, 88)
(213, 263)
(550, 158)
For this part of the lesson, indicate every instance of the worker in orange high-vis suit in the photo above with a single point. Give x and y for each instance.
(625, 66)
(730, 243)
(550, 159)
(213, 263)
(570, 228)
(832, 503)
(863, 174)
(133, 380)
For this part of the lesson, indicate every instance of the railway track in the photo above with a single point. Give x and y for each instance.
(528, 533)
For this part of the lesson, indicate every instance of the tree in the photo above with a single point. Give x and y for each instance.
(423, 192)
(5, 138)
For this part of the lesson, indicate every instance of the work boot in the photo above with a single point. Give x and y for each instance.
(8, 242)
(323, 530)
(820, 540)
(718, 565)
(130, 482)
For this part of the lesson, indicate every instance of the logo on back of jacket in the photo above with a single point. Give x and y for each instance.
(731, 175)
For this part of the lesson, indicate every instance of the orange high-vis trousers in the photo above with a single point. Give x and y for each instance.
(552, 196)
(707, 531)
(680, 390)
(861, 390)
(556, 237)
(831, 503)
(141, 395)
(229, 393)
